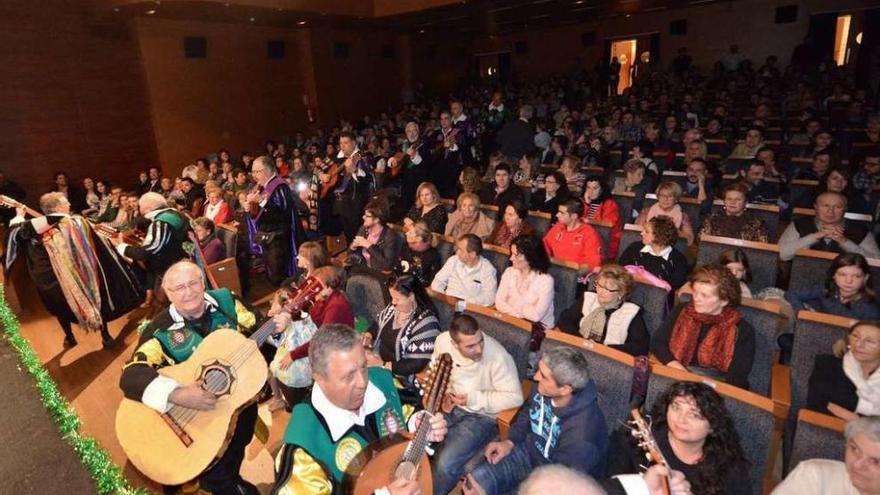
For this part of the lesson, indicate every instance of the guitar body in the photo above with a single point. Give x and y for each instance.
(374, 467)
(399, 161)
(335, 172)
(151, 444)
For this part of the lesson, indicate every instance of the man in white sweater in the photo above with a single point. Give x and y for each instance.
(484, 382)
(468, 275)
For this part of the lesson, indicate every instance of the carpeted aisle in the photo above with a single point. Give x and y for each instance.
(33, 456)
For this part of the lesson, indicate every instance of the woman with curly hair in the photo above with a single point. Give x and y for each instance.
(695, 433)
(708, 335)
(526, 289)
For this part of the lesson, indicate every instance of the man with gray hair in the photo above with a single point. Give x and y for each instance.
(858, 474)
(163, 244)
(350, 407)
(561, 424)
(517, 137)
(271, 208)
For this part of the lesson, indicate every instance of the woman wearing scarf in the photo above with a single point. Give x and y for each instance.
(668, 194)
(601, 207)
(847, 382)
(605, 316)
(468, 219)
(513, 223)
(708, 335)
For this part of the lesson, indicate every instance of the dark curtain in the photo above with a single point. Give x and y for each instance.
(821, 32)
(655, 50)
(868, 62)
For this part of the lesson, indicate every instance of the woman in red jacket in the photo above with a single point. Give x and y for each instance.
(600, 206)
(216, 209)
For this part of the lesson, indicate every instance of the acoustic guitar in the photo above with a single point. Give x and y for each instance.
(397, 456)
(641, 430)
(8, 202)
(336, 171)
(398, 160)
(174, 447)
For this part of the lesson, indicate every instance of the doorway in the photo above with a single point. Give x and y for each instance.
(625, 51)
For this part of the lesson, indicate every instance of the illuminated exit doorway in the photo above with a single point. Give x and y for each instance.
(625, 51)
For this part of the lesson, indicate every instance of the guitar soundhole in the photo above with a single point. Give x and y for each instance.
(405, 470)
(217, 378)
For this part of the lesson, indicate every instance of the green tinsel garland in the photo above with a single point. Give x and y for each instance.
(107, 476)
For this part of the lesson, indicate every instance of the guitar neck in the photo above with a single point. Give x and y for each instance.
(12, 203)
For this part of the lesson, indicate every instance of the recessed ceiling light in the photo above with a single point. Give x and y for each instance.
(151, 12)
(301, 23)
(115, 9)
(252, 19)
(578, 2)
(627, 16)
(421, 31)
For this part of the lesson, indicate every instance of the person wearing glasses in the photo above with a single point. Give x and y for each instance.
(846, 383)
(171, 338)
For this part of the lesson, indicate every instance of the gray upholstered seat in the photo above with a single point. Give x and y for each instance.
(367, 293)
(811, 338)
(540, 223)
(565, 286)
(445, 248)
(613, 380)
(654, 302)
(229, 238)
(807, 271)
(628, 237)
(766, 325)
(604, 234)
(753, 424)
(812, 441)
(625, 206)
(445, 311)
(763, 262)
(499, 260)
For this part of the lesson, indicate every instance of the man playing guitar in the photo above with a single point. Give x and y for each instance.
(355, 185)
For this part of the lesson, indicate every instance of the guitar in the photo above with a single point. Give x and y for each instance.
(300, 298)
(393, 457)
(641, 430)
(441, 148)
(396, 167)
(8, 202)
(174, 447)
(336, 171)
(130, 237)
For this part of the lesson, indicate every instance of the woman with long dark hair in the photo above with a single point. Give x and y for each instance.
(846, 291)
(601, 207)
(526, 289)
(696, 435)
(404, 333)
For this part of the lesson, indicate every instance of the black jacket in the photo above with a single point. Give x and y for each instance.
(517, 138)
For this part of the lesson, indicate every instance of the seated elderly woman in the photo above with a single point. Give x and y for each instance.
(605, 316)
(657, 254)
(513, 223)
(668, 195)
(708, 335)
(845, 292)
(827, 231)
(428, 209)
(554, 193)
(468, 219)
(419, 256)
(213, 248)
(846, 383)
(734, 220)
(526, 289)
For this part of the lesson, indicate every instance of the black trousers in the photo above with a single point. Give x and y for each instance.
(222, 477)
(276, 256)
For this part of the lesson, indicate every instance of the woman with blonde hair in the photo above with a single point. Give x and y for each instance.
(468, 219)
(428, 209)
(668, 195)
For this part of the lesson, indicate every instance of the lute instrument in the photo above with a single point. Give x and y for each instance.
(641, 430)
(176, 446)
(397, 456)
(12, 203)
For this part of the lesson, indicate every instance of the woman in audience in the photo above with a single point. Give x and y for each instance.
(102, 188)
(573, 178)
(216, 209)
(737, 264)
(696, 434)
(657, 254)
(93, 199)
(404, 333)
(212, 247)
(468, 218)
(708, 335)
(600, 206)
(310, 256)
(419, 256)
(428, 209)
(469, 180)
(375, 244)
(847, 382)
(555, 192)
(668, 195)
(636, 180)
(512, 224)
(606, 317)
(526, 289)
(836, 180)
(734, 220)
(527, 170)
(846, 291)
(557, 150)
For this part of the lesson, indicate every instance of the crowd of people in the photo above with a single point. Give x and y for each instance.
(374, 196)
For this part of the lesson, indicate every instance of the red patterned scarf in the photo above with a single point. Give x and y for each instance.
(716, 349)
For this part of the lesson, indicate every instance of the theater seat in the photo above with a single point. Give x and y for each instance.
(818, 436)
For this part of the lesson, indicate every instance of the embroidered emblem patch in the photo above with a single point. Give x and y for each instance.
(346, 451)
(391, 422)
(178, 337)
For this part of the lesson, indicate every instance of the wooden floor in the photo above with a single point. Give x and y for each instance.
(88, 376)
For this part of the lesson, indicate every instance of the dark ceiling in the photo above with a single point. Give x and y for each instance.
(470, 17)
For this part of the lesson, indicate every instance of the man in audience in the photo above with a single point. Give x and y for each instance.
(467, 131)
(154, 184)
(827, 231)
(272, 210)
(350, 406)
(754, 178)
(194, 197)
(858, 474)
(699, 184)
(562, 424)
(484, 382)
(468, 275)
(503, 190)
(571, 240)
(517, 137)
(448, 144)
(818, 167)
(634, 181)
